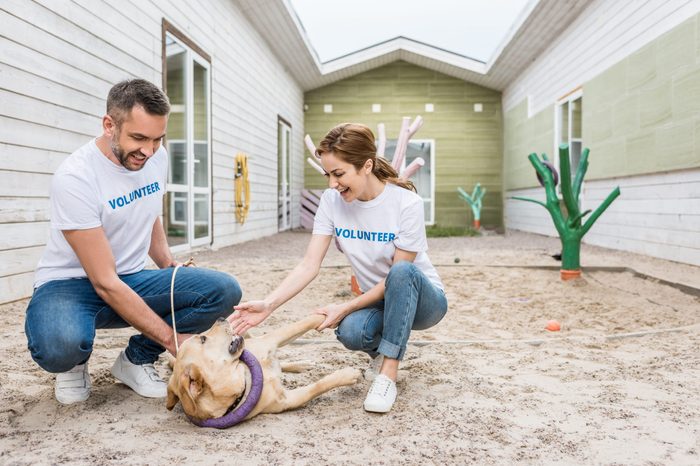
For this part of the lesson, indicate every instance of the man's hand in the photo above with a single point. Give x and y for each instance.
(334, 313)
(95, 255)
(249, 314)
(181, 338)
(188, 263)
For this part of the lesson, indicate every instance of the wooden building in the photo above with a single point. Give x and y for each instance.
(619, 77)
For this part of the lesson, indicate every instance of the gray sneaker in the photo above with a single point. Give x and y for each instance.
(73, 386)
(143, 379)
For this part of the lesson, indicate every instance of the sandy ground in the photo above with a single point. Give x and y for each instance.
(488, 385)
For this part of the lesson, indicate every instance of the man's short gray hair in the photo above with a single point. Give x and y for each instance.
(136, 92)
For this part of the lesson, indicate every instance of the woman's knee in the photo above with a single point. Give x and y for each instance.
(401, 272)
(348, 336)
(426, 320)
(431, 310)
(356, 333)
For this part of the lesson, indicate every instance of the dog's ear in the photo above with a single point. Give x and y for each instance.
(191, 385)
(172, 399)
(172, 394)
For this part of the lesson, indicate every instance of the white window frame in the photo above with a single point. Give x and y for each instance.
(432, 178)
(190, 188)
(285, 196)
(567, 99)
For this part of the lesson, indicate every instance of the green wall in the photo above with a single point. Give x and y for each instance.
(468, 145)
(640, 116)
(523, 136)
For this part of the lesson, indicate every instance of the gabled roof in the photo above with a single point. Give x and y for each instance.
(533, 31)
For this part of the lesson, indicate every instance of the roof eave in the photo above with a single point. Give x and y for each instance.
(535, 28)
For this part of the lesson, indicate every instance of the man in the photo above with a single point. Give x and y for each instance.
(106, 201)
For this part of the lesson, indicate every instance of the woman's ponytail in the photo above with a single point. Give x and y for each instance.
(385, 172)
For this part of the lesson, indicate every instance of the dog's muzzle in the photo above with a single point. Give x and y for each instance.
(236, 344)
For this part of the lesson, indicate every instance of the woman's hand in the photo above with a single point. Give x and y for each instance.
(249, 314)
(334, 314)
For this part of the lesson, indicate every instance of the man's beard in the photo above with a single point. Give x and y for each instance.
(121, 155)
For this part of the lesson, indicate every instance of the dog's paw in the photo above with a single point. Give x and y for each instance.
(349, 375)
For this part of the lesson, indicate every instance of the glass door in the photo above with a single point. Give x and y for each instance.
(187, 210)
(284, 165)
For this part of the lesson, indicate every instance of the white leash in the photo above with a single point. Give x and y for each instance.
(172, 299)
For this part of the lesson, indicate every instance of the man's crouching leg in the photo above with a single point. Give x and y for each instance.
(60, 330)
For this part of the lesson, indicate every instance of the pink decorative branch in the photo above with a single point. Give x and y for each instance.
(312, 148)
(401, 144)
(415, 126)
(381, 143)
(310, 145)
(412, 168)
(316, 166)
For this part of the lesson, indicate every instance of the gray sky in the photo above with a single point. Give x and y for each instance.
(469, 27)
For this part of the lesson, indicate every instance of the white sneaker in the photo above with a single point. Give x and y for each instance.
(73, 386)
(381, 395)
(143, 379)
(374, 366)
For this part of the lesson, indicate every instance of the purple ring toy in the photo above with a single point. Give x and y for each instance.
(239, 414)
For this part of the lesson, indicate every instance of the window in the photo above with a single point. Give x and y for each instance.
(284, 170)
(186, 75)
(424, 179)
(568, 128)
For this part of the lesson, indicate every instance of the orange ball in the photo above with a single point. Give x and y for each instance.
(553, 326)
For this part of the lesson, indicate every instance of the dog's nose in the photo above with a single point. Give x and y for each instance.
(220, 319)
(236, 344)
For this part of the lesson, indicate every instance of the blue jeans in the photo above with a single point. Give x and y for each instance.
(63, 314)
(411, 302)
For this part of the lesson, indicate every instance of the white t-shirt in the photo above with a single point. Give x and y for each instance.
(370, 231)
(87, 191)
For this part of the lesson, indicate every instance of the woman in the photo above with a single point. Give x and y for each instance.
(378, 220)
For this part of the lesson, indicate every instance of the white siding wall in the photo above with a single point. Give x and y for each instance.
(657, 214)
(528, 216)
(59, 58)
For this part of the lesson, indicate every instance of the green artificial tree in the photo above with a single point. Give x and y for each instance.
(569, 224)
(474, 202)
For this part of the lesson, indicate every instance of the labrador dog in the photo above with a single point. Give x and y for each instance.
(209, 379)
